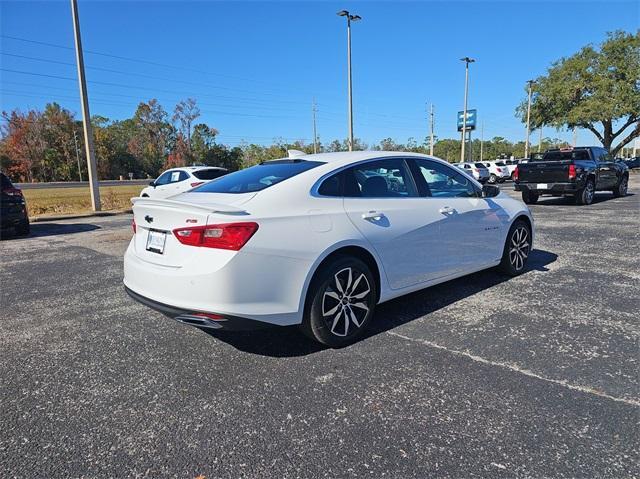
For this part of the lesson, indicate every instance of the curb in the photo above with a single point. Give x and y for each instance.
(38, 219)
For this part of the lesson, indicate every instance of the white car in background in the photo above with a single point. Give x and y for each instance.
(498, 171)
(178, 180)
(477, 170)
(511, 166)
(319, 241)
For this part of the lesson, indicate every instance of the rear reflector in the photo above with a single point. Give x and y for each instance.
(133, 225)
(231, 236)
(572, 172)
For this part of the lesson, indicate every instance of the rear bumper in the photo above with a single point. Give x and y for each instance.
(226, 322)
(556, 189)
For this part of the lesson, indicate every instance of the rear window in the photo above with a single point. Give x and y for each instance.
(479, 165)
(210, 174)
(6, 182)
(564, 155)
(500, 163)
(258, 177)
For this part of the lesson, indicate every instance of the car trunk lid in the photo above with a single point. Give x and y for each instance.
(155, 220)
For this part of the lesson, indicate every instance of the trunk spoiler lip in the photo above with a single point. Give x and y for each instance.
(207, 207)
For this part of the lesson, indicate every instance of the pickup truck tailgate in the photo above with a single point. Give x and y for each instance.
(544, 172)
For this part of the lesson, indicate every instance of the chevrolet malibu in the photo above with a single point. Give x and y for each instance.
(318, 241)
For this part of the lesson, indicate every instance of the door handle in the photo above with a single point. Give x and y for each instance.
(372, 215)
(447, 210)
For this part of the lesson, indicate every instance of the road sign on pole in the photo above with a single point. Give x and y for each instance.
(472, 116)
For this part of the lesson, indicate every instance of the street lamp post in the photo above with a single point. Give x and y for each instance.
(526, 143)
(350, 18)
(466, 60)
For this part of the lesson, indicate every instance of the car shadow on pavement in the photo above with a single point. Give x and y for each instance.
(570, 201)
(290, 342)
(52, 229)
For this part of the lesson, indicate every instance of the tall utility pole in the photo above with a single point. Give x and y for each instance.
(482, 141)
(466, 60)
(350, 18)
(540, 140)
(75, 139)
(575, 137)
(526, 143)
(431, 135)
(315, 134)
(86, 117)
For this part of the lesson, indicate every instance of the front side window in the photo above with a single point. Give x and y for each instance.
(164, 178)
(258, 177)
(379, 179)
(442, 181)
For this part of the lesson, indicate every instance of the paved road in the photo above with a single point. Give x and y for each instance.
(479, 377)
(78, 184)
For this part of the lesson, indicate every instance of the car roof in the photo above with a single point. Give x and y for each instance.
(347, 157)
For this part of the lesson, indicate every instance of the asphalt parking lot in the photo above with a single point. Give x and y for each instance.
(479, 377)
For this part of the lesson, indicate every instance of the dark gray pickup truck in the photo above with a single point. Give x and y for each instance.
(577, 172)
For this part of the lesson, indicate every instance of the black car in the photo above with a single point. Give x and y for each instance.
(632, 162)
(13, 208)
(577, 172)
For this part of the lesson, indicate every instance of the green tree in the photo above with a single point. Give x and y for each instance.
(594, 89)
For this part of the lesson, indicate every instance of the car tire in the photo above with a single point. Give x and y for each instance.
(517, 249)
(530, 197)
(492, 178)
(585, 195)
(621, 188)
(24, 228)
(340, 302)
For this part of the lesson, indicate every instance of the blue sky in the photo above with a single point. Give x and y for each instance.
(255, 67)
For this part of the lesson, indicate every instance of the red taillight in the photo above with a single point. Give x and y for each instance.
(515, 174)
(11, 191)
(133, 225)
(476, 170)
(499, 170)
(232, 236)
(572, 172)
(197, 183)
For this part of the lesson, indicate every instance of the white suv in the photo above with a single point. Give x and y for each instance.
(498, 171)
(476, 169)
(179, 180)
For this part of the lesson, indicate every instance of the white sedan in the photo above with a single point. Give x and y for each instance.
(319, 241)
(178, 180)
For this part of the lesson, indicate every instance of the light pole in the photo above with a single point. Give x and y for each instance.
(526, 143)
(86, 117)
(466, 60)
(350, 18)
(75, 139)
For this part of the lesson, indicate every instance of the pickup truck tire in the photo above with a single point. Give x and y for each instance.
(621, 187)
(584, 196)
(516, 249)
(529, 197)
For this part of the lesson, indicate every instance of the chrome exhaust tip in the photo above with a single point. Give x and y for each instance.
(199, 321)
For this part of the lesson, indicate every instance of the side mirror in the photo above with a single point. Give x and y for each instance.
(489, 191)
(152, 183)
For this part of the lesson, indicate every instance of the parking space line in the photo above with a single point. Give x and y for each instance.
(526, 372)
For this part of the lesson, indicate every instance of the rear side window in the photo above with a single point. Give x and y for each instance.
(332, 186)
(210, 174)
(258, 177)
(480, 165)
(565, 155)
(379, 179)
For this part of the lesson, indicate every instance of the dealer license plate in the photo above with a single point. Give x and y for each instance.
(156, 241)
(542, 186)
